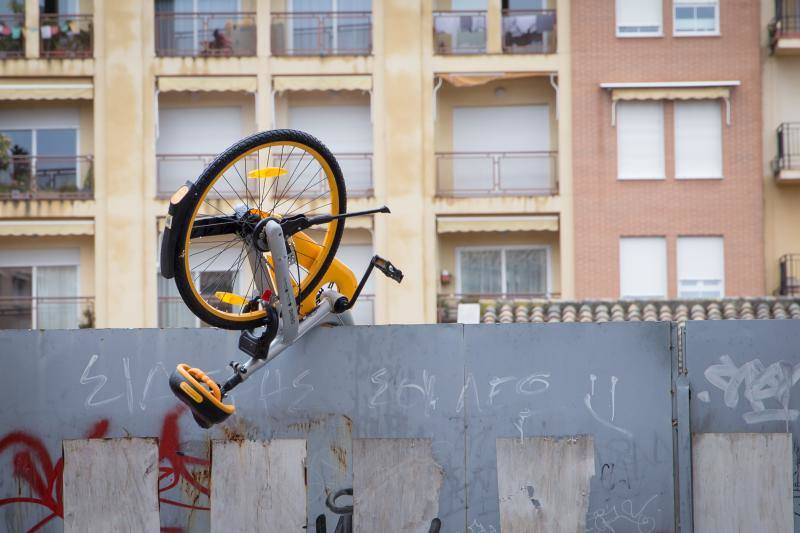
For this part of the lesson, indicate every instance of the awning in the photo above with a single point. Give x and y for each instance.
(322, 83)
(496, 223)
(475, 79)
(56, 89)
(25, 228)
(246, 84)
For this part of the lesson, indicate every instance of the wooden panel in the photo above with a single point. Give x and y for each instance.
(258, 485)
(543, 483)
(742, 482)
(395, 485)
(111, 485)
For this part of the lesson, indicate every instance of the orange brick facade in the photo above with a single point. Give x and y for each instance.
(607, 208)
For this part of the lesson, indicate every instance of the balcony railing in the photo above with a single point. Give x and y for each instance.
(459, 32)
(46, 313)
(447, 304)
(322, 33)
(496, 173)
(65, 36)
(786, 23)
(788, 157)
(790, 275)
(174, 169)
(205, 34)
(12, 36)
(529, 31)
(24, 177)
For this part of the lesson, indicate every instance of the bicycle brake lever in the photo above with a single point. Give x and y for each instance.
(388, 269)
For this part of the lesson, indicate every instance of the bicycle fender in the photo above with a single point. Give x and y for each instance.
(175, 226)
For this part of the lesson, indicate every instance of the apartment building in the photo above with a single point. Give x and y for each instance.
(780, 29)
(452, 113)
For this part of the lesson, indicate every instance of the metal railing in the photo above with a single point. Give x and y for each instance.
(24, 177)
(447, 304)
(12, 36)
(789, 265)
(65, 36)
(205, 34)
(786, 22)
(46, 312)
(321, 33)
(496, 173)
(459, 32)
(174, 169)
(529, 31)
(788, 156)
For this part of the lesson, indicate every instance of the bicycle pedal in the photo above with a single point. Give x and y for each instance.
(198, 391)
(388, 269)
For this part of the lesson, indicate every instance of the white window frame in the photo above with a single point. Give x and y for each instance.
(714, 33)
(663, 173)
(701, 281)
(43, 257)
(502, 250)
(639, 35)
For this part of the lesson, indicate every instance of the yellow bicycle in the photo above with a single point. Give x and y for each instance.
(251, 245)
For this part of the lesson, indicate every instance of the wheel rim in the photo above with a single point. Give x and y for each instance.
(220, 264)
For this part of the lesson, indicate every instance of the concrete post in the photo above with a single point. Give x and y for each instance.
(31, 29)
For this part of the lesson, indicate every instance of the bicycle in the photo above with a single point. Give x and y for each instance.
(277, 227)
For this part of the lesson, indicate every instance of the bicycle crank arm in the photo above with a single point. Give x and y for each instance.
(385, 266)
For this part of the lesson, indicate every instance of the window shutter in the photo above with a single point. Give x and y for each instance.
(638, 17)
(701, 267)
(698, 139)
(643, 267)
(640, 140)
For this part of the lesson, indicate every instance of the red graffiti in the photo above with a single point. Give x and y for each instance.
(33, 465)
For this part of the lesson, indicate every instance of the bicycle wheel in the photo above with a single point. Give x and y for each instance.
(221, 277)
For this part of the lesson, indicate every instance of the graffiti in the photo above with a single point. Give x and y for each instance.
(611, 520)
(610, 476)
(33, 466)
(477, 527)
(587, 400)
(759, 385)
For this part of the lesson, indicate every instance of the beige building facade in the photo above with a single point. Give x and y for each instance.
(482, 124)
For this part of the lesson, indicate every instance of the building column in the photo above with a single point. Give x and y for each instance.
(494, 30)
(120, 167)
(566, 230)
(31, 29)
(398, 100)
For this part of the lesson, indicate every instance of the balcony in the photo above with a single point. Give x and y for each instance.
(465, 174)
(173, 170)
(46, 313)
(329, 33)
(786, 165)
(12, 36)
(65, 36)
(24, 177)
(459, 32)
(784, 29)
(447, 304)
(205, 34)
(529, 31)
(789, 265)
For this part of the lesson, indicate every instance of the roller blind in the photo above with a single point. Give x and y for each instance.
(701, 267)
(640, 140)
(638, 17)
(643, 267)
(698, 139)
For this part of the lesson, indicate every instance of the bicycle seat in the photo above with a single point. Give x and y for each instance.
(203, 396)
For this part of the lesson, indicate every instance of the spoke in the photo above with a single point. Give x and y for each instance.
(211, 248)
(300, 194)
(216, 256)
(221, 275)
(291, 181)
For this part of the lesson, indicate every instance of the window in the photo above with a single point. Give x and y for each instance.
(698, 139)
(638, 18)
(701, 267)
(696, 17)
(640, 140)
(518, 270)
(314, 29)
(39, 289)
(643, 267)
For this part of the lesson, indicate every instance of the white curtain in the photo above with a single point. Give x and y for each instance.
(526, 271)
(53, 283)
(481, 272)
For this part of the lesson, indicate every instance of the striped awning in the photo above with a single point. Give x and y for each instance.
(55, 89)
(464, 224)
(29, 228)
(322, 83)
(671, 93)
(246, 84)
